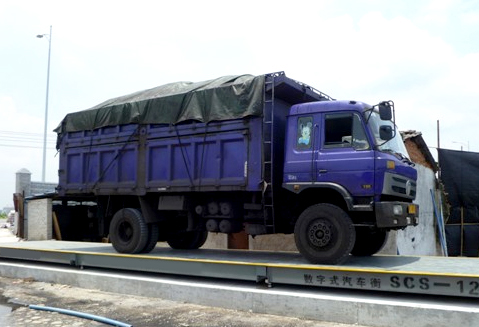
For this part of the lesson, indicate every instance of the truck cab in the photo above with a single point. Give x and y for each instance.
(348, 156)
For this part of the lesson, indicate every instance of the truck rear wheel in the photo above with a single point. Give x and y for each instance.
(368, 241)
(153, 236)
(188, 240)
(128, 231)
(324, 234)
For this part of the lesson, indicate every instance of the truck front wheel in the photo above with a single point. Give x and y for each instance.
(128, 231)
(324, 234)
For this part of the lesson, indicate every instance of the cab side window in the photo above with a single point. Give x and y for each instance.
(344, 130)
(304, 137)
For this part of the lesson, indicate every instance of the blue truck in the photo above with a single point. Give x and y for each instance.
(262, 154)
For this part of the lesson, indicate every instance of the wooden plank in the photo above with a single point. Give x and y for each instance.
(56, 227)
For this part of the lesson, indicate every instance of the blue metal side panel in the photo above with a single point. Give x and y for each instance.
(85, 168)
(134, 159)
(214, 160)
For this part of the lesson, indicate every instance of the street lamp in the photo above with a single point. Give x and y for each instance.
(462, 143)
(49, 37)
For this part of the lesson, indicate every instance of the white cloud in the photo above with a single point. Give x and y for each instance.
(438, 11)
(14, 120)
(7, 105)
(470, 18)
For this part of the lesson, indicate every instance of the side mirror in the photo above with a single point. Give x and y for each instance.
(385, 112)
(385, 132)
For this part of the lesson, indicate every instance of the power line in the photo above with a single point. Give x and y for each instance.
(26, 139)
(22, 134)
(24, 146)
(17, 139)
(25, 134)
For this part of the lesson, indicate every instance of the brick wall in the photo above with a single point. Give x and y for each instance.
(416, 155)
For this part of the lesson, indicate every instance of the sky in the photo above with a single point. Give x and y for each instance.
(423, 55)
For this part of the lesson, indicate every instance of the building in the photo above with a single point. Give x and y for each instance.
(418, 150)
(419, 240)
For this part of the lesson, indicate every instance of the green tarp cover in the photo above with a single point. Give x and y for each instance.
(227, 97)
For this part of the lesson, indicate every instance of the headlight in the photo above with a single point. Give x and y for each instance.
(397, 210)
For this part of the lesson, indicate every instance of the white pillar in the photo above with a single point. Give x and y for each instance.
(39, 220)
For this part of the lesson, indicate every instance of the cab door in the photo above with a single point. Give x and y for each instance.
(345, 155)
(301, 150)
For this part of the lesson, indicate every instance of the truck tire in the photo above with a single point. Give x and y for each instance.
(368, 241)
(128, 231)
(324, 234)
(153, 236)
(188, 240)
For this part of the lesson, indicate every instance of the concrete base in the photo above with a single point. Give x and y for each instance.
(39, 222)
(318, 304)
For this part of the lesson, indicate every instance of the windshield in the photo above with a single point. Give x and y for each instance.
(396, 144)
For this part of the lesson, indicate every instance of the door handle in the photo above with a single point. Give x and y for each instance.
(322, 171)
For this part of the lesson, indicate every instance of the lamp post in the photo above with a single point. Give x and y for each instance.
(49, 36)
(462, 143)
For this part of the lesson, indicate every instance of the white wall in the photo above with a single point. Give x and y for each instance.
(421, 239)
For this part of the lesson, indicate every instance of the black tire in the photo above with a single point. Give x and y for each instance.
(324, 234)
(153, 236)
(128, 231)
(187, 240)
(368, 241)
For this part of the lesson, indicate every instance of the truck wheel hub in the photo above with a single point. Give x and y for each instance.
(125, 232)
(320, 233)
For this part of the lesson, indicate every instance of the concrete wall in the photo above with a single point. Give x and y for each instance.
(39, 220)
(421, 240)
(37, 188)
(25, 186)
(277, 242)
(216, 241)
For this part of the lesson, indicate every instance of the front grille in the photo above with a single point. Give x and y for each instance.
(397, 189)
(400, 180)
(399, 186)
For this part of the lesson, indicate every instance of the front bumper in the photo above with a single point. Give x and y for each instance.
(396, 215)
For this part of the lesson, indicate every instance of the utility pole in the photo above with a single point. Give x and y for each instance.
(49, 36)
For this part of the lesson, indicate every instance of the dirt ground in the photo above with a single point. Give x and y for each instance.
(133, 310)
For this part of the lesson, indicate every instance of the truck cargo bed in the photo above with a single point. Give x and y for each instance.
(135, 159)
